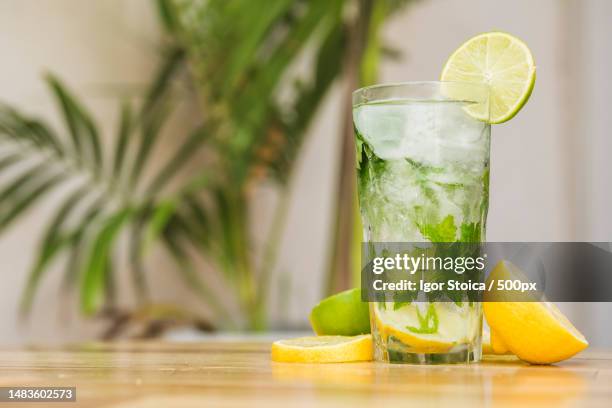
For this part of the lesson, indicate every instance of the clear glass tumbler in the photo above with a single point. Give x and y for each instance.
(423, 176)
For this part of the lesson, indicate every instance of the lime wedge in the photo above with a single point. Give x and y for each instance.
(342, 314)
(501, 61)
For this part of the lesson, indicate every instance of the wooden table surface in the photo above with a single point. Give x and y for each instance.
(228, 374)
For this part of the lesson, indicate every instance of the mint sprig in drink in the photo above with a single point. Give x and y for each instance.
(423, 176)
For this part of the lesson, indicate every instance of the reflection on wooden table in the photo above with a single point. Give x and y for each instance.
(217, 373)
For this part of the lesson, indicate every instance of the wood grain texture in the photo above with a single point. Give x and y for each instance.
(236, 374)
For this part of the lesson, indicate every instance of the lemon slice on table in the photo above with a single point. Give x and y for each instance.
(323, 349)
(501, 61)
(447, 328)
(536, 332)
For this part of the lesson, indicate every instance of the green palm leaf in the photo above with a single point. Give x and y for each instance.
(166, 15)
(158, 220)
(150, 131)
(29, 197)
(135, 259)
(78, 239)
(53, 242)
(185, 152)
(23, 128)
(200, 220)
(95, 271)
(82, 129)
(123, 134)
(171, 66)
(252, 23)
(10, 159)
(156, 109)
(327, 68)
(22, 182)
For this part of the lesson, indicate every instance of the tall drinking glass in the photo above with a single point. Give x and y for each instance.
(423, 176)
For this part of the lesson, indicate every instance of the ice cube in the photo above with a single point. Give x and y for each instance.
(462, 140)
(397, 131)
(433, 133)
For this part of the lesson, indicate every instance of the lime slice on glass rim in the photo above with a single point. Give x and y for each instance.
(501, 61)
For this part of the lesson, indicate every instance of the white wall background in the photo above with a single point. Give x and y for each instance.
(550, 178)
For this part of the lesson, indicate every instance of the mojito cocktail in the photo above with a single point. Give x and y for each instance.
(423, 180)
(423, 175)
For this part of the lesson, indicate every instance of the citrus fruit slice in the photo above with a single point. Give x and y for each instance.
(435, 329)
(536, 332)
(342, 314)
(497, 344)
(501, 61)
(491, 344)
(323, 349)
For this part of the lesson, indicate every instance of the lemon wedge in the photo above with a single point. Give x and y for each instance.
(491, 344)
(536, 332)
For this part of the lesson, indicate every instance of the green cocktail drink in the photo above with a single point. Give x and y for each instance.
(423, 174)
(423, 178)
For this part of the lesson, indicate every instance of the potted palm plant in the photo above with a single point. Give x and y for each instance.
(237, 56)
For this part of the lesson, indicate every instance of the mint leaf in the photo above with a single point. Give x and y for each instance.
(445, 231)
(428, 324)
(470, 232)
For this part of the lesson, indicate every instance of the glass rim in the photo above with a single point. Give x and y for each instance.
(458, 91)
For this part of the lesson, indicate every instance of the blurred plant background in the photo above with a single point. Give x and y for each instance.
(189, 163)
(255, 107)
